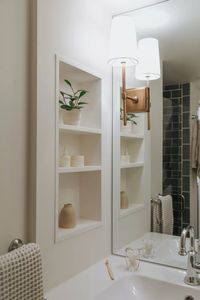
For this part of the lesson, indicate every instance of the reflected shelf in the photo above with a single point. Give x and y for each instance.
(78, 129)
(130, 135)
(134, 207)
(79, 169)
(132, 165)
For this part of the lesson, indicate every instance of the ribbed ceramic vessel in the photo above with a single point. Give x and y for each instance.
(67, 217)
(123, 200)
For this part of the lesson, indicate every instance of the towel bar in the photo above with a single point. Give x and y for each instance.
(180, 196)
(157, 200)
(15, 244)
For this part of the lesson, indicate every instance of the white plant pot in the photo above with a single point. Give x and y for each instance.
(71, 117)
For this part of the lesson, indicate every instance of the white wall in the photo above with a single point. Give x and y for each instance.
(194, 102)
(78, 30)
(13, 119)
(156, 136)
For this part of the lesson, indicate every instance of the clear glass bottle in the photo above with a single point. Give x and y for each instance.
(65, 159)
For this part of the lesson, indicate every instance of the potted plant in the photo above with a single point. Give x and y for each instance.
(71, 105)
(130, 121)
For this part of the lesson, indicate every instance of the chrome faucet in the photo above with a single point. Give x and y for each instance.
(193, 268)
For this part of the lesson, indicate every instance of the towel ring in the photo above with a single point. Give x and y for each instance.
(15, 244)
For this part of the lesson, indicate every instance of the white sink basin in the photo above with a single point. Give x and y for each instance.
(137, 287)
(150, 282)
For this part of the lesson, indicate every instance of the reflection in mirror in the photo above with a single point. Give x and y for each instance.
(155, 182)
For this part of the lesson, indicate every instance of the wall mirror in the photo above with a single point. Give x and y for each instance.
(148, 165)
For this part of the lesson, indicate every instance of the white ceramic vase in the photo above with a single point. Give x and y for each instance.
(71, 117)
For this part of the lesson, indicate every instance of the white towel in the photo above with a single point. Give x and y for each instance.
(167, 214)
(156, 220)
(21, 274)
(195, 147)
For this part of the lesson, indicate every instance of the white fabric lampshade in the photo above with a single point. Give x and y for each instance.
(123, 41)
(148, 67)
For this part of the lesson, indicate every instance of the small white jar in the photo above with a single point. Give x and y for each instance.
(77, 161)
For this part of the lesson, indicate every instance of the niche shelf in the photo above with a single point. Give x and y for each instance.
(77, 169)
(132, 171)
(132, 165)
(133, 208)
(131, 168)
(134, 148)
(130, 135)
(82, 226)
(131, 181)
(78, 129)
(80, 186)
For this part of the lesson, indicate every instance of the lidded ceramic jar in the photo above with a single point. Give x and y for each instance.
(67, 217)
(77, 161)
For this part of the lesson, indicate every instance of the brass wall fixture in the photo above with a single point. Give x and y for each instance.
(145, 55)
(135, 100)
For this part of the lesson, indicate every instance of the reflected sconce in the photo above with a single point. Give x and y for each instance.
(124, 51)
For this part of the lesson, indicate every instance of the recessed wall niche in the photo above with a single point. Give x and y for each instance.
(81, 184)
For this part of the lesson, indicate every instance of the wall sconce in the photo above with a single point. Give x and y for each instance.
(124, 51)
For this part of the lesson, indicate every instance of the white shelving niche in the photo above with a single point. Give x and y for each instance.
(131, 168)
(132, 172)
(80, 186)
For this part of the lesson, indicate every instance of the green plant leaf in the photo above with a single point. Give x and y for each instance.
(81, 103)
(78, 91)
(82, 93)
(66, 95)
(71, 103)
(66, 107)
(68, 82)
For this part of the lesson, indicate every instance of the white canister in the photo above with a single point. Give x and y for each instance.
(77, 161)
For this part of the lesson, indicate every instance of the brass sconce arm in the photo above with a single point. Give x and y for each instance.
(135, 100)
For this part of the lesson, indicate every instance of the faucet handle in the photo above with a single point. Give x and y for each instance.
(197, 248)
(182, 251)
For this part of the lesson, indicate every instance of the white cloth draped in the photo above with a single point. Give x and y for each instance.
(21, 275)
(167, 214)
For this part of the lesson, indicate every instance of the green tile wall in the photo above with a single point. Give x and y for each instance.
(176, 150)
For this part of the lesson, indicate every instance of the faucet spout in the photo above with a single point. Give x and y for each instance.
(182, 249)
(193, 268)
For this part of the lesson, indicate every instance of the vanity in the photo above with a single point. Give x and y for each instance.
(150, 282)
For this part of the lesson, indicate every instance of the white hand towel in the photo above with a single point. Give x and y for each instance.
(195, 146)
(167, 214)
(21, 274)
(156, 221)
